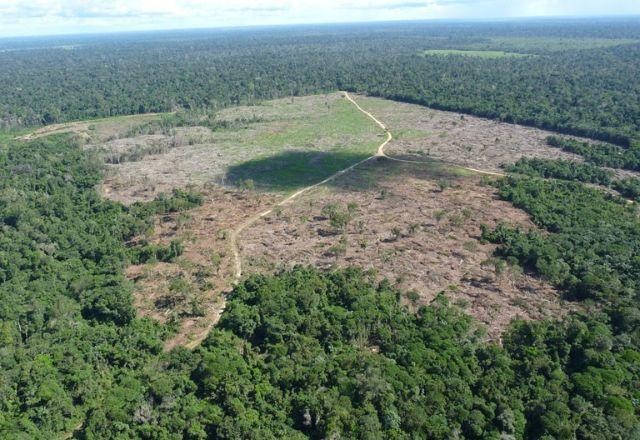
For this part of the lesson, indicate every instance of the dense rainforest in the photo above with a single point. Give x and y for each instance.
(303, 354)
(578, 76)
(306, 353)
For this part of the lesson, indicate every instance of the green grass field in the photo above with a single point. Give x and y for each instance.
(315, 144)
(548, 44)
(279, 145)
(491, 54)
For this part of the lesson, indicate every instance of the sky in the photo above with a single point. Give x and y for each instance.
(50, 17)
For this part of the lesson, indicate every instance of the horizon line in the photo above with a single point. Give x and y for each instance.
(328, 23)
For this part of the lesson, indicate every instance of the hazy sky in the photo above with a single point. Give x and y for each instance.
(41, 17)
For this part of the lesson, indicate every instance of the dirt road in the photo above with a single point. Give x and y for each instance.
(234, 236)
(236, 233)
(77, 126)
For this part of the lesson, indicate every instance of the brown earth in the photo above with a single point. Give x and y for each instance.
(416, 225)
(464, 140)
(191, 290)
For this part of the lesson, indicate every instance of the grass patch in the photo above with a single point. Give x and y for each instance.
(309, 148)
(549, 44)
(291, 170)
(489, 54)
(340, 118)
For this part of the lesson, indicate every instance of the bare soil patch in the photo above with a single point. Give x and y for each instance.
(423, 133)
(312, 128)
(416, 225)
(98, 130)
(191, 290)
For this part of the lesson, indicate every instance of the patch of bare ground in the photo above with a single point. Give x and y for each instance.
(190, 292)
(144, 165)
(93, 130)
(423, 133)
(141, 167)
(416, 225)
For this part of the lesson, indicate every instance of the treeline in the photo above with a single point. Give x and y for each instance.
(561, 169)
(67, 323)
(589, 248)
(591, 251)
(303, 354)
(607, 155)
(200, 70)
(317, 355)
(628, 187)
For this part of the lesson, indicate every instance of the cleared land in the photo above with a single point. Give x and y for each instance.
(98, 130)
(190, 291)
(417, 224)
(473, 53)
(278, 146)
(423, 134)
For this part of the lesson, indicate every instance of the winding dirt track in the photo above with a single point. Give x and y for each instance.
(235, 234)
(233, 239)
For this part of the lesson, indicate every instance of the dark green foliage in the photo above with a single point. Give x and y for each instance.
(56, 227)
(318, 355)
(209, 69)
(577, 376)
(561, 169)
(592, 251)
(179, 201)
(629, 187)
(336, 354)
(148, 252)
(607, 155)
(594, 248)
(67, 324)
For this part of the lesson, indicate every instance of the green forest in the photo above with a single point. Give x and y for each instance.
(302, 354)
(606, 155)
(161, 72)
(306, 353)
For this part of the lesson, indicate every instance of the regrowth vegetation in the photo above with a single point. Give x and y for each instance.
(211, 69)
(472, 53)
(628, 187)
(607, 155)
(562, 169)
(304, 353)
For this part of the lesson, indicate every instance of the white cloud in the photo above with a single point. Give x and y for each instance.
(18, 17)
